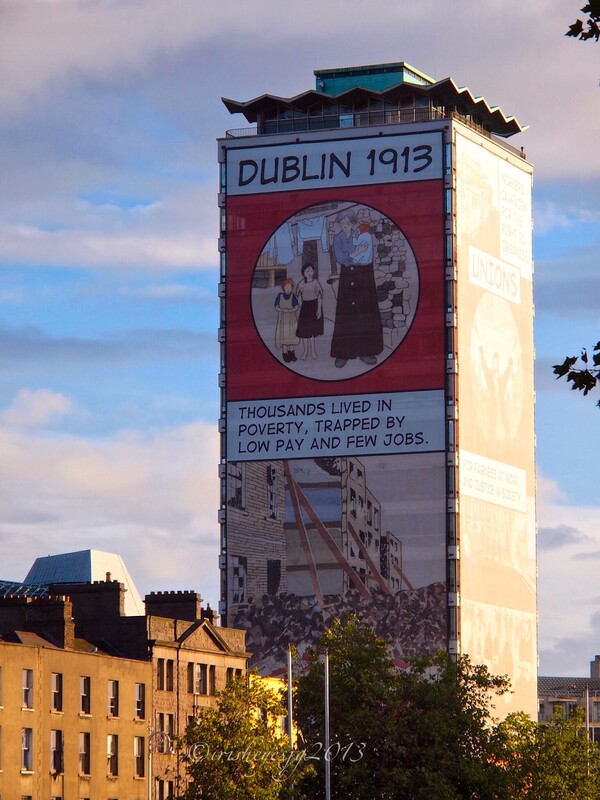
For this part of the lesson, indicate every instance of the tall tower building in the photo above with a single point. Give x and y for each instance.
(377, 372)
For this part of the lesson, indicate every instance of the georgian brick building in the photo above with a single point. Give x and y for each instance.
(90, 699)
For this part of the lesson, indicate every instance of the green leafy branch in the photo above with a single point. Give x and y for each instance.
(582, 374)
(592, 31)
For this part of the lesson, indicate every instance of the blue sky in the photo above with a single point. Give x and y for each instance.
(109, 112)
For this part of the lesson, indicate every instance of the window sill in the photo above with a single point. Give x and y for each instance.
(84, 715)
(57, 711)
(27, 708)
(112, 777)
(84, 776)
(27, 772)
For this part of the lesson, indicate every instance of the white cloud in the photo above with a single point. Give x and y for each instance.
(35, 408)
(553, 215)
(567, 584)
(173, 292)
(159, 236)
(152, 497)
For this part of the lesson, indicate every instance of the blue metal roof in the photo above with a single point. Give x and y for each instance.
(64, 568)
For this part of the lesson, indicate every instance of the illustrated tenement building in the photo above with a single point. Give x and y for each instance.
(377, 371)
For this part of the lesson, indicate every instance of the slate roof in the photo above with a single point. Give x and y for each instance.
(567, 688)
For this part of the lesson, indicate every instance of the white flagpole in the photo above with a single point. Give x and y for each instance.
(289, 697)
(326, 752)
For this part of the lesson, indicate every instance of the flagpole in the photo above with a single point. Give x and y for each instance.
(326, 751)
(289, 697)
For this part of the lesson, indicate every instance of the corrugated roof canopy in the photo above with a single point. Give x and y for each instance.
(443, 93)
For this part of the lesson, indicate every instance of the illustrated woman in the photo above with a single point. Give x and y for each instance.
(286, 306)
(357, 331)
(310, 318)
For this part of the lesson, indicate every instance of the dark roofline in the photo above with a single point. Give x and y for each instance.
(445, 90)
(566, 687)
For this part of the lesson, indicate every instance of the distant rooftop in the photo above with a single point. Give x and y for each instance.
(377, 94)
(566, 687)
(82, 566)
(19, 589)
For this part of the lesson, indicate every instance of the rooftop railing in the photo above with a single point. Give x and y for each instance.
(325, 122)
(363, 119)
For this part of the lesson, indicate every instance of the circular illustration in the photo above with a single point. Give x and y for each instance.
(335, 290)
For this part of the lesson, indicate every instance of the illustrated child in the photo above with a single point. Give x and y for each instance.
(310, 319)
(286, 305)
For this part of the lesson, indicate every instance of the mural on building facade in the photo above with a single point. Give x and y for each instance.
(326, 537)
(334, 491)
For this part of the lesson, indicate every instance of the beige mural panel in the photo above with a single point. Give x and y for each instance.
(497, 575)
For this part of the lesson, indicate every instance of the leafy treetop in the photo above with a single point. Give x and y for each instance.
(579, 372)
(592, 31)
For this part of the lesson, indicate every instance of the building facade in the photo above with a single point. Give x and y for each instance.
(565, 694)
(92, 700)
(74, 720)
(377, 371)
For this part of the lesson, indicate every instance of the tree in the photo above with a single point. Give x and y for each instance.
(363, 702)
(421, 733)
(550, 762)
(578, 371)
(236, 751)
(447, 724)
(592, 31)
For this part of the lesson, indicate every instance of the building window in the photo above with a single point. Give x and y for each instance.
(140, 701)
(0, 686)
(272, 491)
(166, 790)
(139, 750)
(113, 698)
(239, 569)
(166, 730)
(56, 751)
(84, 753)
(201, 682)
(233, 673)
(212, 680)
(26, 749)
(112, 754)
(160, 673)
(169, 676)
(273, 575)
(85, 685)
(235, 485)
(27, 680)
(56, 690)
